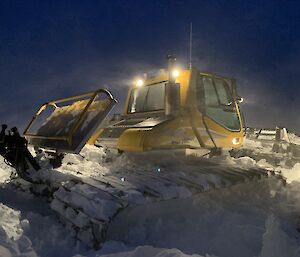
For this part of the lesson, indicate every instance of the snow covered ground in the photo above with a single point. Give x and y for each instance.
(255, 219)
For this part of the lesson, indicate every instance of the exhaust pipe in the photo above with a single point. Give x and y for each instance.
(172, 93)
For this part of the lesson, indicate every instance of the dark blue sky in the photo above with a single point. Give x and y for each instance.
(53, 49)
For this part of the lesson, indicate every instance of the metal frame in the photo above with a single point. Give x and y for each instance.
(79, 121)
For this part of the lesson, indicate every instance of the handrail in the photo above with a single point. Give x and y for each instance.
(208, 132)
(105, 91)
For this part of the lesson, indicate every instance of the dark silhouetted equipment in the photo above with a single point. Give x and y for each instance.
(13, 148)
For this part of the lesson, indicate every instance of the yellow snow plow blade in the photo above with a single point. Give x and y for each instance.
(65, 125)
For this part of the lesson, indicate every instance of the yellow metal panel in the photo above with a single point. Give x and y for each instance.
(223, 137)
(94, 137)
(132, 140)
(184, 80)
(175, 133)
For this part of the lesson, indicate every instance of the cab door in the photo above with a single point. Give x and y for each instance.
(219, 104)
(219, 123)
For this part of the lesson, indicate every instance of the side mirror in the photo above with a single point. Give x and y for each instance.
(240, 99)
(172, 99)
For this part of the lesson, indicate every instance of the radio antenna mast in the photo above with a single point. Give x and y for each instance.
(191, 43)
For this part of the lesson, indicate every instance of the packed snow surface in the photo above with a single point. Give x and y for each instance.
(257, 219)
(13, 242)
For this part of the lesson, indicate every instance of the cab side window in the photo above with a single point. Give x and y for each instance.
(210, 94)
(218, 102)
(223, 92)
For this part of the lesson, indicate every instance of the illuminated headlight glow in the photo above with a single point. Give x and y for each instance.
(235, 141)
(175, 73)
(139, 83)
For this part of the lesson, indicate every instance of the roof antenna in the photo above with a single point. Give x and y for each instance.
(191, 43)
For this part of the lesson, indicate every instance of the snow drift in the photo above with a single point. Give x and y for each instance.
(251, 219)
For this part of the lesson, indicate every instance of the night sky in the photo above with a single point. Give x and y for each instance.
(54, 49)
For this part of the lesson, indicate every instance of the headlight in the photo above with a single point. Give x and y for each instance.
(175, 73)
(236, 141)
(139, 83)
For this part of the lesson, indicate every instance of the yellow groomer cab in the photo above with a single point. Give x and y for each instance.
(176, 109)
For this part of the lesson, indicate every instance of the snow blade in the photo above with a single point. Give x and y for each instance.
(66, 125)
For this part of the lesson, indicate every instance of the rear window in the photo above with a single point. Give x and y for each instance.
(147, 98)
